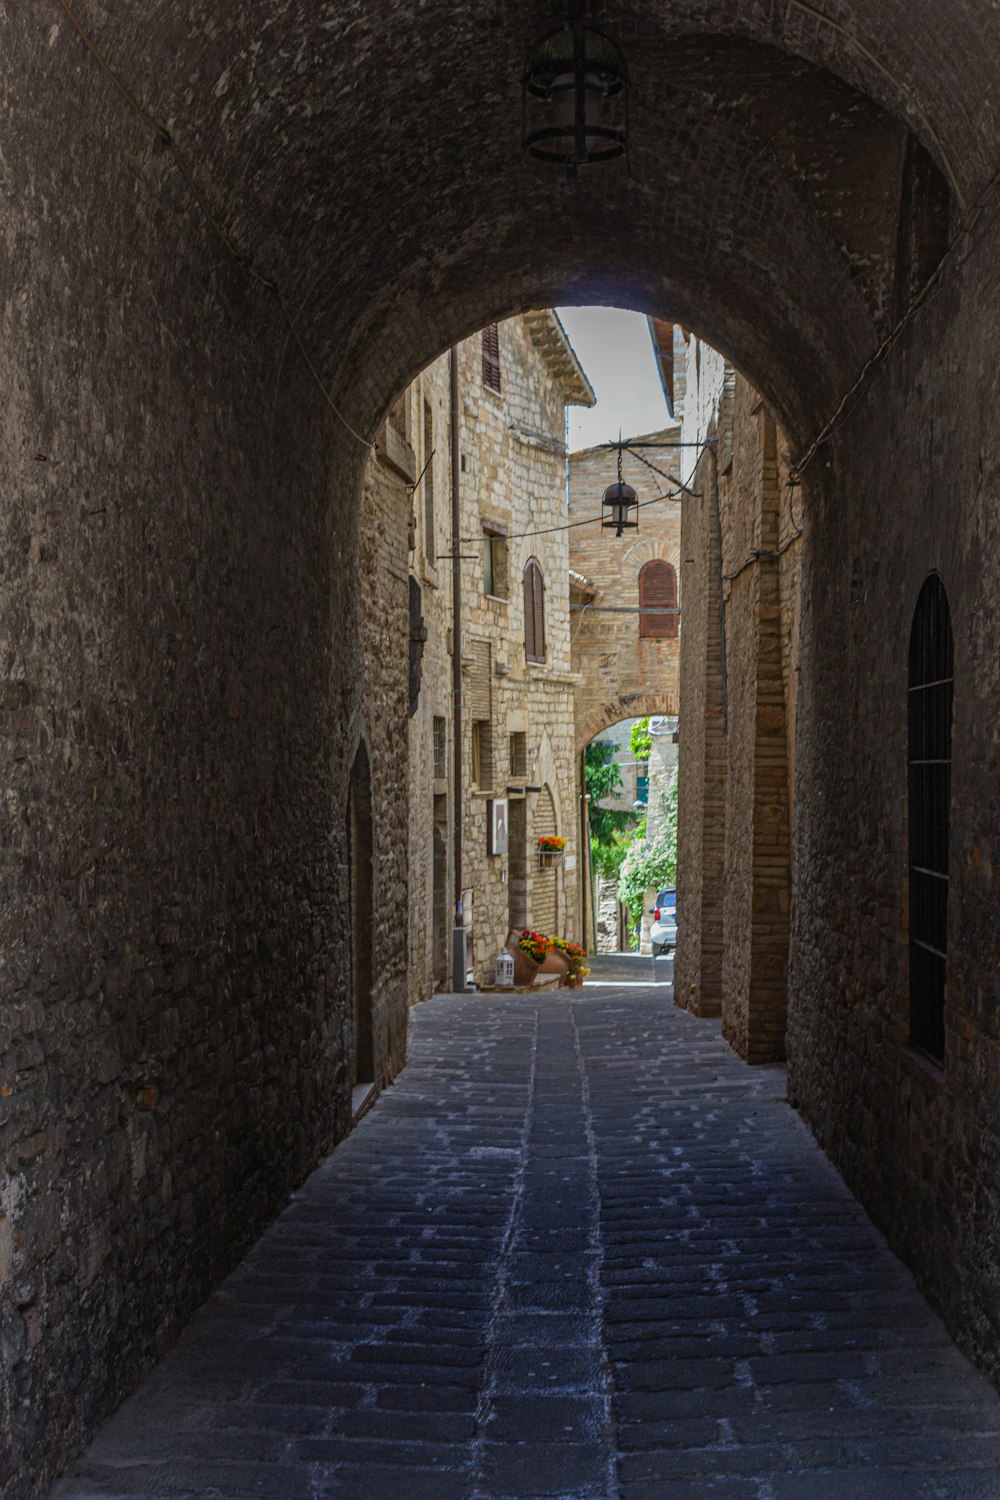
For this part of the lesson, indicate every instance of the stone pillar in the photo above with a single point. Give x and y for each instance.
(702, 770)
(758, 858)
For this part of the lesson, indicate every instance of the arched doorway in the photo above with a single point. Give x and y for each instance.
(359, 856)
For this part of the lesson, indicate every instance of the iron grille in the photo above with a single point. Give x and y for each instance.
(931, 687)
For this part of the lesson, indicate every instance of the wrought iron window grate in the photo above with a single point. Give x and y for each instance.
(931, 686)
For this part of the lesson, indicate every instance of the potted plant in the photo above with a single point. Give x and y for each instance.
(529, 950)
(574, 956)
(550, 848)
(534, 953)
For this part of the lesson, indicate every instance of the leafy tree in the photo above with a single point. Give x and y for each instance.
(640, 739)
(603, 779)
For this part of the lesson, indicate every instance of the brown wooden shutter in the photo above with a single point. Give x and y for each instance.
(657, 590)
(491, 356)
(478, 698)
(543, 886)
(534, 612)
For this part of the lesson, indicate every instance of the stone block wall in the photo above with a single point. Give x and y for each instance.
(920, 1143)
(179, 641)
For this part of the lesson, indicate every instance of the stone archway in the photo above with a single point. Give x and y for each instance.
(181, 520)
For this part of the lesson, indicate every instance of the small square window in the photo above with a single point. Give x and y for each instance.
(494, 563)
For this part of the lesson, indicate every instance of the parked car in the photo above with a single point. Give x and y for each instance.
(663, 933)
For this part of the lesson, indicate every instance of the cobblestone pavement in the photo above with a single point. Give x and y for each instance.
(578, 1250)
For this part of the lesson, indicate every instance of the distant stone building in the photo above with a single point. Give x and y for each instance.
(625, 596)
(519, 769)
(628, 656)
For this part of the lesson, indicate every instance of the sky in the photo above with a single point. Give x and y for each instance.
(614, 349)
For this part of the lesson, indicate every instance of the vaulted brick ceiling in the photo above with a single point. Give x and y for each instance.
(367, 155)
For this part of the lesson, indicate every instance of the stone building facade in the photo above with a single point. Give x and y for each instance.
(742, 549)
(627, 658)
(628, 663)
(514, 382)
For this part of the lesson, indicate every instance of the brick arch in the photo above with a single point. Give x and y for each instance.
(628, 706)
(648, 551)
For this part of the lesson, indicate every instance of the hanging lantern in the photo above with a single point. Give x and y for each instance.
(575, 86)
(619, 501)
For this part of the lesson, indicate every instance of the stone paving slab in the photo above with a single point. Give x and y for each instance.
(578, 1251)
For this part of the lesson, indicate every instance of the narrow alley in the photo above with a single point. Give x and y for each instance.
(578, 1249)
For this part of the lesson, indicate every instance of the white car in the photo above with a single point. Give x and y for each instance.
(663, 933)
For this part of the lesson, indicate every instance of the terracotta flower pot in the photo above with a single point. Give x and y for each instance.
(554, 963)
(525, 967)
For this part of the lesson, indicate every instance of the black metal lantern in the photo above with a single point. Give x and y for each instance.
(576, 86)
(619, 501)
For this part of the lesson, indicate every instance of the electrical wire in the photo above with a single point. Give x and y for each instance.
(180, 162)
(663, 473)
(570, 525)
(851, 399)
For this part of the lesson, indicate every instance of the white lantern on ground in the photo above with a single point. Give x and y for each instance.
(504, 970)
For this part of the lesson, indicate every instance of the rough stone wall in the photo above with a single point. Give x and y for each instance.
(179, 648)
(920, 1144)
(379, 717)
(623, 675)
(606, 940)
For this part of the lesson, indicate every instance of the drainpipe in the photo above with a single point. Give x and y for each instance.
(458, 931)
(714, 455)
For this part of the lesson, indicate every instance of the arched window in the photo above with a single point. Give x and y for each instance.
(931, 675)
(534, 611)
(657, 591)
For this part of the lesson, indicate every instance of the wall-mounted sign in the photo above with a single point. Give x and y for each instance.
(496, 825)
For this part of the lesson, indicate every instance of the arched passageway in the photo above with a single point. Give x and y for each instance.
(184, 581)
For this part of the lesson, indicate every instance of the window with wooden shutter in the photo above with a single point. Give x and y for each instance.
(657, 595)
(534, 612)
(494, 562)
(477, 667)
(491, 357)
